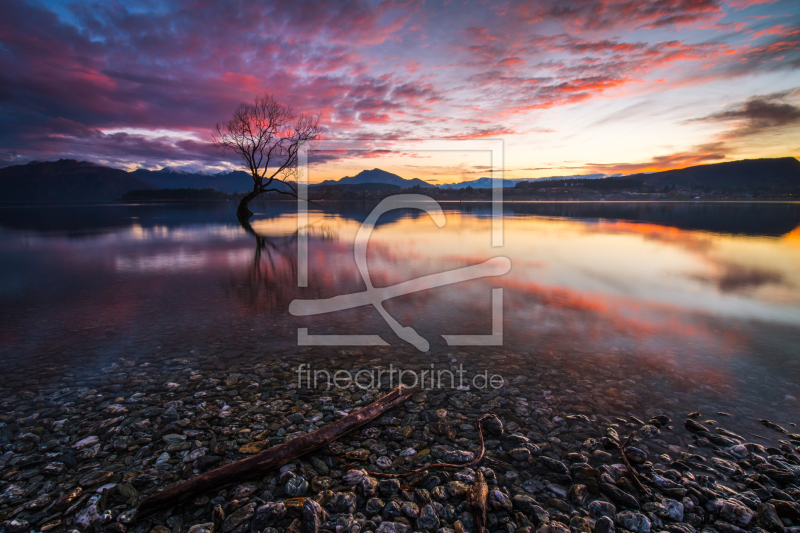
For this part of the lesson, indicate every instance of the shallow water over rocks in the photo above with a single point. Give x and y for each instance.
(145, 351)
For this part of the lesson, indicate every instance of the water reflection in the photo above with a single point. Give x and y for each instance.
(702, 295)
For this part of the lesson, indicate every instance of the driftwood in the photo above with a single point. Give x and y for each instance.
(631, 472)
(273, 457)
(476, 501)
(433, 466)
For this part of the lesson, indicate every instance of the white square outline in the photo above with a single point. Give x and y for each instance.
(496, 149)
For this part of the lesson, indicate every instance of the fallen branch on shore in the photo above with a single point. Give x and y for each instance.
(631, 472)
(273, 457)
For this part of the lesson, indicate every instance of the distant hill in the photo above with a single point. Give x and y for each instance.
(358, 186)
(486, 183)
(172, 178)
(747, 174)
(377, 175)
(66, 180)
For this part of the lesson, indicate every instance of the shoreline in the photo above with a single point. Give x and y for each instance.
(80, 454)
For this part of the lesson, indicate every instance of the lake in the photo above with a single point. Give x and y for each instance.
(611, 307)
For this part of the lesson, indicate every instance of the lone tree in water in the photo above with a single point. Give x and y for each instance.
(267, 135)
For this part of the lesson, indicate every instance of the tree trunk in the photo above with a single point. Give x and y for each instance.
(244, 213)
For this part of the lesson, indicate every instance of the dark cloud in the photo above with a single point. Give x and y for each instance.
(609, 14)
(758, 114)
(99, 80)
(698, 155)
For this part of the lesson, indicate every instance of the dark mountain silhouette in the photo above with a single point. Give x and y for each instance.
(747, 174)
(486, 183)
(377, 175)
(357, 186)
(172, 178)
(66, 180)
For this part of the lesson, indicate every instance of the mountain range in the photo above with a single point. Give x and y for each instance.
(68, 180)
(231, 181)
(377, 175)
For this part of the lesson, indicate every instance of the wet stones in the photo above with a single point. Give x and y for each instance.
(428, 519)
(239, 518)
(600, 508)
(393, 527)
(632, 521)
(492, 425)
(520, 454)
(313, 516)
(734, 512)
(268, 515)
(694, 426)
(497, 499)
(619, 496)
(389, 487)
(297, 486)
(604, 525)
(767, 518)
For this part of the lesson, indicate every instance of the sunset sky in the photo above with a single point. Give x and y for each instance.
(571, 86)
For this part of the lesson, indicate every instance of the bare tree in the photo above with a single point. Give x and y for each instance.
(267, 135)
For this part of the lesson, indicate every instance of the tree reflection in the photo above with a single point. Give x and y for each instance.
(270, 282)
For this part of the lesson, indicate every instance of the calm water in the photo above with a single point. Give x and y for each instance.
(695, 302)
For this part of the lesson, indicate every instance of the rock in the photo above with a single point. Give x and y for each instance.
(241, 515)
(635, 455)
(694, 426)
(410, 509)
(393, 527)
(16, 525)
(648, 431)
(375, 506)
(85, 443)
(389, 487)
(267, 515)
(89, 518)
(725, 467)
(787, 509)
(428, 520)
(354, 477)
(604, 525)
(207, 527)
(599, 508)
(619, 496)
(253, 447)
(554, 465)
(392, 511)
(767, 517)
(297, 486)
(497, 499)
(735, 512)
(557, 527)
(344, 502)
(520, 454)
(674, 510)
(632, 521)
(313, 516)
(493, 425)
(578, 494)
(368, 486)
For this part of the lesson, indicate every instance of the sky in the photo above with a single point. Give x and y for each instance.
(571, 86)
